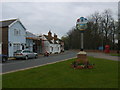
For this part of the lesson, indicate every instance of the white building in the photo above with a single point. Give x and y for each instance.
(13, 36)
(51, 44)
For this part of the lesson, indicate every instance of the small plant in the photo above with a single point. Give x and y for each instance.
(78, 65)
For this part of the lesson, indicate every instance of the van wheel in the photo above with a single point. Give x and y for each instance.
(26, 57)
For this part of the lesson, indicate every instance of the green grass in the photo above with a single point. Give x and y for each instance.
(0, 81)
(115, 54)
(61, 75)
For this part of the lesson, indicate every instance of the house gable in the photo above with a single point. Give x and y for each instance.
(9, 23)
(17, 20)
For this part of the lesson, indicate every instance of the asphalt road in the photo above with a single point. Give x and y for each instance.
(14, 65)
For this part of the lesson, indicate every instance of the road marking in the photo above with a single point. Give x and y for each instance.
(37, 66)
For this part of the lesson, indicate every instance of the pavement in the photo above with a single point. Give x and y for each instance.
(104, 56)
(15, 65)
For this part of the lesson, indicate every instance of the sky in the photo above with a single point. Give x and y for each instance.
(59, 17)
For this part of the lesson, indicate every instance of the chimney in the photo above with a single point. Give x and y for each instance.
(55, 36)
(49, 34)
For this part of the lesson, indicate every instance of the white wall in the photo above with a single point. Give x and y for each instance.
(48, 47)
(16, 39)
(56, 48)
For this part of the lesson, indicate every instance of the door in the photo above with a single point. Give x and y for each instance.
(30, 54)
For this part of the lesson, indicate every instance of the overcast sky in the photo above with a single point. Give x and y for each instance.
(59, 17)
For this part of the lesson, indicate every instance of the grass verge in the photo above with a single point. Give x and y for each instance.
(61, 75)
(115, 54)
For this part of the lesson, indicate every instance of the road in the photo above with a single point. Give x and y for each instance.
(14, 65)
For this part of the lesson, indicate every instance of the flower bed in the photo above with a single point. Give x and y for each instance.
(78, 65)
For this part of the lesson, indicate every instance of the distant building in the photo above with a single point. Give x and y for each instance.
(52, 44)
(13, 36)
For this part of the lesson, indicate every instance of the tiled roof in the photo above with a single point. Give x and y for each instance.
(50, 40)
(6, 23)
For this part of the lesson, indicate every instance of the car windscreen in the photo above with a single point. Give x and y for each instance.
(18, 51)
(26, 51)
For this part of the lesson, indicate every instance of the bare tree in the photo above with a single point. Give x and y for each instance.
(103, 30)
(107, 21)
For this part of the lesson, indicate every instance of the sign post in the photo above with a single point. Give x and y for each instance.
(82, 45)
(81, 25)
(82, 61)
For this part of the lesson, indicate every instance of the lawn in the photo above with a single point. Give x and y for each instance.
(114, 54)
(61, 75)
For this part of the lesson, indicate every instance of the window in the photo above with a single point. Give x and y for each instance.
(16, 47)
(18, 51)
(26, 51)
(51, 48)
(16, 32)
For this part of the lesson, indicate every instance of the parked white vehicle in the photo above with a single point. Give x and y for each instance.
(25, 54)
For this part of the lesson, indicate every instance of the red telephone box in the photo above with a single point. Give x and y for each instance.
(107, 48)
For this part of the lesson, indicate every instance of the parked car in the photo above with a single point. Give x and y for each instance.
(3, 58)
(25, 54)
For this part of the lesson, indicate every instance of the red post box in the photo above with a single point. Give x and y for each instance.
(107, 48)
